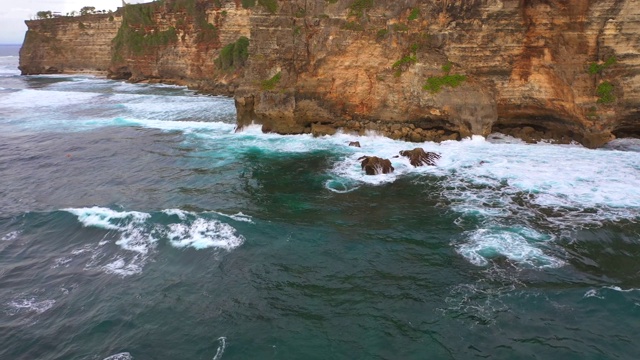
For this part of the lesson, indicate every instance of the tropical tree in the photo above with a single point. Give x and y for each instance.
(87, 10)
(44, 14)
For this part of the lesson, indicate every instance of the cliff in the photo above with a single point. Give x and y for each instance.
(415, 70)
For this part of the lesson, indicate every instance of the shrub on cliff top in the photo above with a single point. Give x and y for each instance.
(44, 14)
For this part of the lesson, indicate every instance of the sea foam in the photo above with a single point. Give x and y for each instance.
(139, 233)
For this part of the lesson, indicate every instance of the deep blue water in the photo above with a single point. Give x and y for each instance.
(135, 223)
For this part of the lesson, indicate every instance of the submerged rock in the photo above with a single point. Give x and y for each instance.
(373, 165)
(419, 157)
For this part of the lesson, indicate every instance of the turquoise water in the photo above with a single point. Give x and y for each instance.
(136, 223)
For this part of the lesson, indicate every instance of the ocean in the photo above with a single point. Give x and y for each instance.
(135, 223)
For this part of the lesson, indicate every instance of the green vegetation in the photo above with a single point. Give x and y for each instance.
(44, 14)
(271, 83)
(592, 113)
(138, 34)
(415, 13)
(447, 67)
(81, 26)
(233, 55)
(400, 27)
(270, 5)
(436, 83)
(248, 3)
(605, 93)
(353, 26)
(358, 7)
(400, 65)
(381, 33)
(595, 68)
(87, 10)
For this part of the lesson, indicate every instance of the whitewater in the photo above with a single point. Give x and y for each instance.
(137, 222)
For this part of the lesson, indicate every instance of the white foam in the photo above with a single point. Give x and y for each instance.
(237, 217)
(10, 236)
(61, 262)
(592, 293)
(123, 267)
(24, 99)
(516, 244)
(106, 218)
(220, 350)
(135, 237)
(139, 235)
(617, 288)
(120, 356)
(31, 305)
(181, 214)
(202, 234)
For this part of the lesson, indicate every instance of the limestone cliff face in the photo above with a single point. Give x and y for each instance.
(534, 69)
(178, 41)
(69, 44)
(410, 69)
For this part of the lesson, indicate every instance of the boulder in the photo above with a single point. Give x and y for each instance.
(373, 165)
(419, 157)
(354, 143)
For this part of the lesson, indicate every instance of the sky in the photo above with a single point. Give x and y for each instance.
(12, 27)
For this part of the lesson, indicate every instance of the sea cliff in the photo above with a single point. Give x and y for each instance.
(414, 70)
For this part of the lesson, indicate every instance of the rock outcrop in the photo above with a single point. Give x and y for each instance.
(410, 69)
(373, 165)
(419, 157)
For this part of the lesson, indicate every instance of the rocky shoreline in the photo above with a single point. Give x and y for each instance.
(410, 70)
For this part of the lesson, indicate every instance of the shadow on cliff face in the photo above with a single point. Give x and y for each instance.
(534, 129)
(629, 127)
(121, 73)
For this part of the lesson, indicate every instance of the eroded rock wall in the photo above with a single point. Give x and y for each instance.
(363, 65)
(409, 69)
(69, 44)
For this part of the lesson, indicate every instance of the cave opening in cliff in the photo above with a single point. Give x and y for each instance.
(536, 129)
(627, 132)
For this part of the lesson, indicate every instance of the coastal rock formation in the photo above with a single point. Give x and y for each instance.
(69, 44)
(419, 157)
(373, 165)
(413, 70)
(354, 143)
